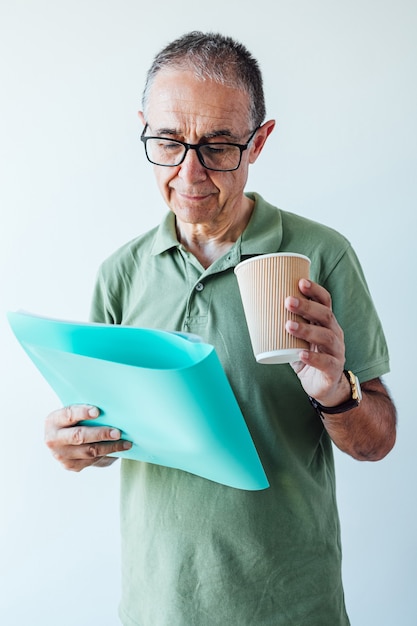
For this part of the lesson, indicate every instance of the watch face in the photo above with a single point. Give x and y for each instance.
(356, 387)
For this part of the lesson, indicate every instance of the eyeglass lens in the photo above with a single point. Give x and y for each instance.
(217, 156)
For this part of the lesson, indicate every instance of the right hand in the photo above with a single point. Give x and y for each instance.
(77, 446)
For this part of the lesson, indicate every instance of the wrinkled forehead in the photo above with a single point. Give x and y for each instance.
(184, 98)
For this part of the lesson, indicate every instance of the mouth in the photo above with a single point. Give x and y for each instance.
(193, 197)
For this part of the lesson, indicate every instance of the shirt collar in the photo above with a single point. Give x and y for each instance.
(263, 234)
(166, 235)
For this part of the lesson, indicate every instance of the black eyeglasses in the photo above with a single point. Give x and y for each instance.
(220, 157)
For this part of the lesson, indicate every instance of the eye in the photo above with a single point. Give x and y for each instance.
(218, 149)
(215, 148)
(169, 146)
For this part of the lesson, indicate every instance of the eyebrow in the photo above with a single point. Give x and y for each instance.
(173, 132)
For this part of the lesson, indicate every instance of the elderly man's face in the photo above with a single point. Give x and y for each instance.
(184, 108)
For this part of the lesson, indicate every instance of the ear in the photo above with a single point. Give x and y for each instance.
(141, 117)
(260, 138)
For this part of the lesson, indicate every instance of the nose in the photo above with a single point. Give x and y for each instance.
(191, 169)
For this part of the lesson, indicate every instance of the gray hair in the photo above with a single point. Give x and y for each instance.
(215, 57)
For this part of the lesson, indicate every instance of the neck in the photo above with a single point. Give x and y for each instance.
(209, 241)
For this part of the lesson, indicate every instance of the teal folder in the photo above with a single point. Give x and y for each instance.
(167, 392)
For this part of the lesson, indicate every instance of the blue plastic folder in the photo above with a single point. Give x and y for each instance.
(167, 392)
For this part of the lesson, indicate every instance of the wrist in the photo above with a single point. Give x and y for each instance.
(345, 402)
(341, 393)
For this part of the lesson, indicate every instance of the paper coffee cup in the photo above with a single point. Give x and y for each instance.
(264, 283)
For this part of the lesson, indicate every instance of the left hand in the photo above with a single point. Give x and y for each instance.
(319, 369)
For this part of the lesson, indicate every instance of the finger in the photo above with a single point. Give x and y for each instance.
(325, 339)
(80, 435)
(70, 415)
(87, 454)
(312, 311)
(314, 291)
(330, 365)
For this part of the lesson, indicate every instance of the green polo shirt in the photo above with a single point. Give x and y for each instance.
(197, 553)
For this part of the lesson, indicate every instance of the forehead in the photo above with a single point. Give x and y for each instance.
(178, 99)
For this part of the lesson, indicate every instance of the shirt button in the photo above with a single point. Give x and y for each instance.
(199, 287)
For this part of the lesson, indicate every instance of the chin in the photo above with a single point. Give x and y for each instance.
(193, 215)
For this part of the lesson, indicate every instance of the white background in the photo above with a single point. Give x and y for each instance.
(340, 79)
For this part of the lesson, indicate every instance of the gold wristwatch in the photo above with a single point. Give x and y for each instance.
(354, 400)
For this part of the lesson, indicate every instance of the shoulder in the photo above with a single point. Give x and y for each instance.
(127, 258)
(295, 225)
(116, 276)
(324, 245)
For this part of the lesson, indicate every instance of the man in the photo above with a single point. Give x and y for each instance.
(196, 552)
